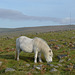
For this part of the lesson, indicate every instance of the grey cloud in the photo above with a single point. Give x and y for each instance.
(16, 15)
(11, 14)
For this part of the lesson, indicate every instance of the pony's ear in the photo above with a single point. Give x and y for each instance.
(49, 50)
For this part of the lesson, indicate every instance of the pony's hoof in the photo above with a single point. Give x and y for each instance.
(41, 62)
(17, 59)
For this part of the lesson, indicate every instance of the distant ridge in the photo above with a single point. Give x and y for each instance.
(36, 29)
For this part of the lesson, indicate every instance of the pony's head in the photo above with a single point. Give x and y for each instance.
(49, 56)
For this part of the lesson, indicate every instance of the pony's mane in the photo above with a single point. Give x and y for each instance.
(42, 41)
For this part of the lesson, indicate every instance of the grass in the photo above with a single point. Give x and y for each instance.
(54, 39)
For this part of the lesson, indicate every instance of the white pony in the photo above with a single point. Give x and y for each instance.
(36, 45)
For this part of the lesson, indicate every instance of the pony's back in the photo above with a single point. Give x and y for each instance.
(24, 43)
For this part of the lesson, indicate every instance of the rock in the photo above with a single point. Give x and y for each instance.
(50, 65)
(61, 56)
(69, 59)
(62, 40)
(61, 61)
(56, 66)
(71, 44)
(65, 43)
(73, 37)
(59, 45)
(74, 43)
(51, 45)
(53, 70)
(73, 48)
(74, 66)
(38, 67)
(28, 65)
(73, 32)
(0, 63)
(9, 69)
(70, 66)
(59, 65)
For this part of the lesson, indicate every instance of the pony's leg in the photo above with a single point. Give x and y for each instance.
(17, 54)
(35, 57)
(39, 57)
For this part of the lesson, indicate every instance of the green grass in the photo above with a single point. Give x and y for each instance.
(7, 55)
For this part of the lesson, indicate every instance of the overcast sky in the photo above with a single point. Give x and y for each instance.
(28, 13)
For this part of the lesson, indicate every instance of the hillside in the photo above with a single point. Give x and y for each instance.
(25, 30)
(62, 44)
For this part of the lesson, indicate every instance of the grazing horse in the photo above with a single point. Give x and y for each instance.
(36, 45)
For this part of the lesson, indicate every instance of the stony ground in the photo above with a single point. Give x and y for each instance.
(62, 44)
